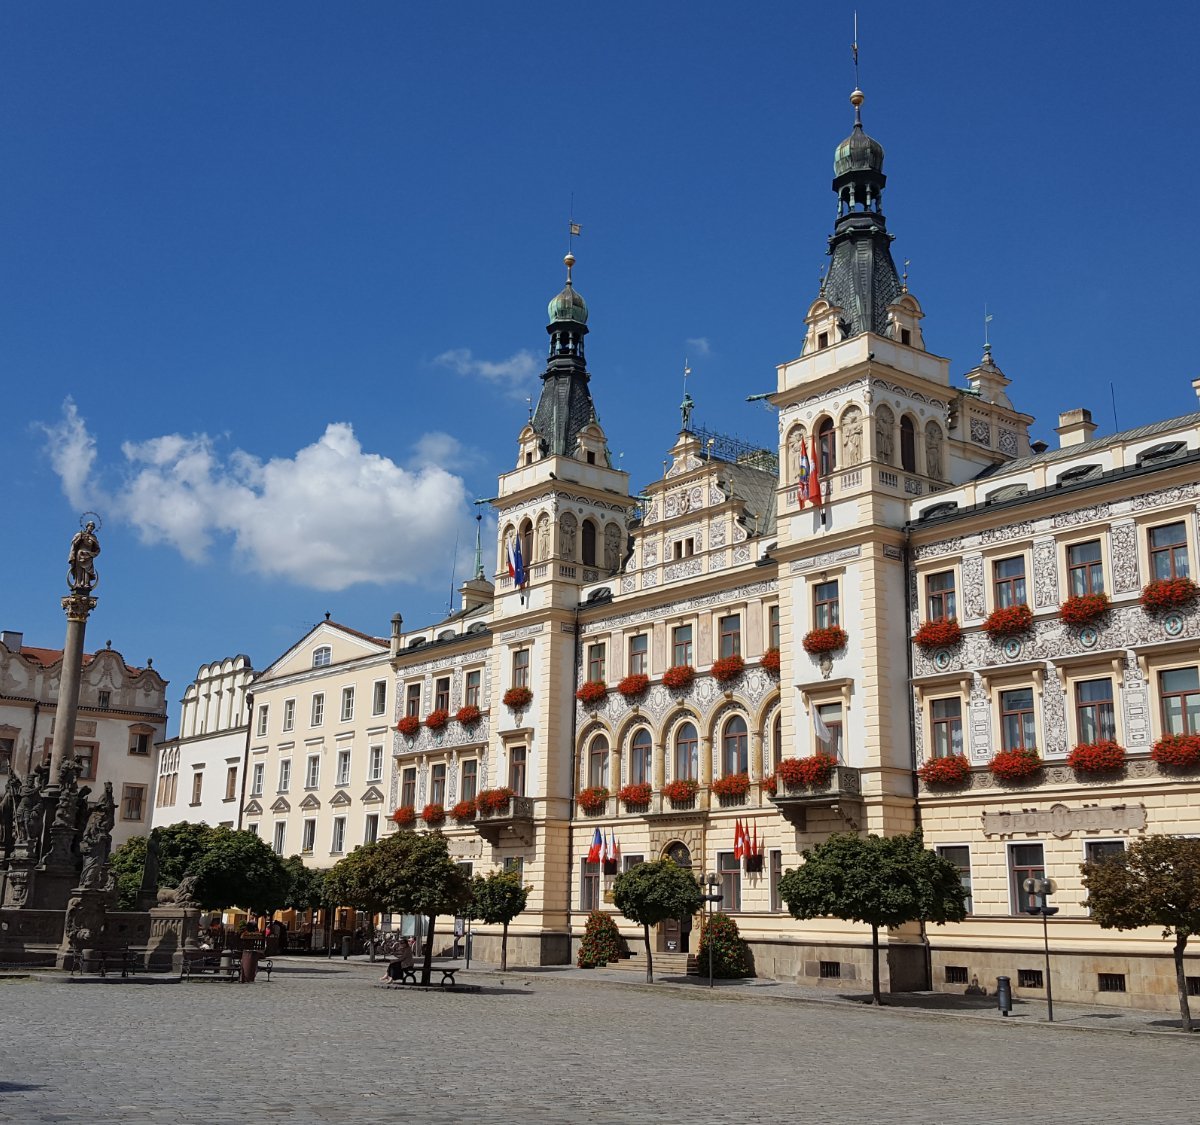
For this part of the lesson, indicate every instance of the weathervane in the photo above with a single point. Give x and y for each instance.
(987, 319)
(854, 49)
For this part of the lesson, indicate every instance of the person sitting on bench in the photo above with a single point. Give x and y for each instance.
(401, 966)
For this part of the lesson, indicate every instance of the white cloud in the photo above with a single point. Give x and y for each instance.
(698, 347)
(330, 516)
(512, 375)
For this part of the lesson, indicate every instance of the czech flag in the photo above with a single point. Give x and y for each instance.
(802, 482)
(516, 564)
(596, 849)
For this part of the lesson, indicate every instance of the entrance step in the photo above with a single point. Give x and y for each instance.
(665, 964)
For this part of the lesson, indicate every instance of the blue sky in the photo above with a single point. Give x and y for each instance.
(273, 277)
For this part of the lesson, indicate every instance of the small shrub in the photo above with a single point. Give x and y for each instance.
(730, 953)
(602, 941)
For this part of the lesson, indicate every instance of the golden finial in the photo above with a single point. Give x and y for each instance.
(569, 261)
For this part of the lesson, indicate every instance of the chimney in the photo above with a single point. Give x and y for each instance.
(1075, 427)
(11, 641)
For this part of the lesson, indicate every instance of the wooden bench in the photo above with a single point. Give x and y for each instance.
(209, 964)
(408, 975)
(103, 961)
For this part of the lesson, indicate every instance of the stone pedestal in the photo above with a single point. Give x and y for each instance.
(174, 930)
(85, 924)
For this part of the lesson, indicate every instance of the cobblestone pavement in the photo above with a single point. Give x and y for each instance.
(322, 1043)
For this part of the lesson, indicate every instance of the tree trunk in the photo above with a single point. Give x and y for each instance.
(649, 956)
(504, 949)
(875, 997)
(1185, 1012)
(371, 936)
(427, 964)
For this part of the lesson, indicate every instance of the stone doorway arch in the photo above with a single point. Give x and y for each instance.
(674, 935)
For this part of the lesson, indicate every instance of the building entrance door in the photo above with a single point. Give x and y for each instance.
(674, 933)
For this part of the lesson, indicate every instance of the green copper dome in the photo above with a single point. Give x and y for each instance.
(568, 305)
(858, 152)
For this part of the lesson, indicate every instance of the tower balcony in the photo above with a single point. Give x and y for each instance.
(844, 787)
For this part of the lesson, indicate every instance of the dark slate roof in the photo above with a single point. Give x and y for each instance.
(863, 281)
(564, 408)
(756, 489)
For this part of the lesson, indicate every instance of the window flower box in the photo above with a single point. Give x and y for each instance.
(1105, 756)
(405, 816)
(468, 716)
(489, 802)
(681, 793)
(433, 814)
(592, 799)
(954, 769)
(436, 720)
(1011, 621)
(634, 686)
(464, 811)
(770, 785)
(945, 632)
(754, 864)
(727, 669)
(732, 785)
(770, 661)
(1015, 765)
(679, 677)
(409, 725)
(801, 773)
(1165, 594)
(592, 693)
(636, 795)
(818, 642)
(518, 698)
(1083, 609)
(1179, 751)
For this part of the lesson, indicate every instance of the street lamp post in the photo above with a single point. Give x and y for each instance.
(713, 881)
(1038, 891)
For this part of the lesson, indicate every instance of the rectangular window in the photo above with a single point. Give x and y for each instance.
(945, 721)
(231, 783)
(469, 783)
(139, 744)
(338, 844)
(960, 856)
(1097, 851)
(829, 729)
(375, 763)
(308, 837)
(1017, 729)
(258, 779)
(1085, 569)
(597, 771)
(437, 784)
(133, 802)
(729, 632)
(312, 773)
(1008, 582)
(1168, 551)
(197, 786)
(371, 828)
(252, 828)
(285, 775)
(595, 663)
(379, 697)
(729, 869)
(776, 867)
(520, 668)
(408, 787)
(629, 862)
(318, 709)
(681, 645)
(1025, 861)
(826, 610)
(289, 714)
(104, 700)
(441, 693)
(280, 834)
(773, 626)
(86, 757)
(589, 885)
(639, 652)
(940, 601)
(474, 679)
(684, 548)
(264, 713)
(412, 701)
(1179, 690)
(516, 770)
(1095, 716)
(343, 767)
(515, 864)
(347, 705)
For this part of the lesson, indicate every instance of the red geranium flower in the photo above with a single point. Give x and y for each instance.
(1104, 756)
(942, 633)
(680, 791)
(770, 661)
(732, 785)
(592, 799)
(1083, 609)
(468, 716)
(798, 773)
(1181, 751)
(1011, 621)
(636, 795)
(953, 769)
(727, 668)
(634, 685)
(409, 725)
(680, 676)
(592, 693)
(817, 642)
(435, 720)
(464, 810)
(405, 816)
(1165, 594)
(518, 698)
(1013, 765)
(433, 814)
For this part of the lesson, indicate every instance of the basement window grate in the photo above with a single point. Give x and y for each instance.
(831, 970)
(1112, 982)
(956, 974)
(1193, 986)
(1029, 978)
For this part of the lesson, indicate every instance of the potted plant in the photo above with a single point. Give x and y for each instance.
(1083, 609)
(1179, 751)
(592, 799)
(732, 785)
(1105, 756)
(679, 677)
(818, 642)
(1010, 621)
(464, 810)
(727, 669)
(634, 686)
(489, 802)
(592, 693)
(436, 720)
(635, 795)
(1015, 765)
(1164, 594)
(518, 698)
(941, 633)
(953, 769)
(770, 661)
(433, 814)
(468, 716)
(681, 792)
(813, 771)
(409, 725)
(405, 816)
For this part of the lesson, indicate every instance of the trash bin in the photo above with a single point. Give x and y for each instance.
(346, 948)
(249, 965)
(1004, 995)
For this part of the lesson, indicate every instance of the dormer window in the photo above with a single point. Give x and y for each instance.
(906, 337)
(322, 657)
(822, 340)
(591, 457)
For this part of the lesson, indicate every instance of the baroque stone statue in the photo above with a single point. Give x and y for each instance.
(852, 435)
(885, 424)
(81, 577)
(95, 844)
(933, 451)
(612, 548)
(27, 820)
(8, 811)
(566, 536)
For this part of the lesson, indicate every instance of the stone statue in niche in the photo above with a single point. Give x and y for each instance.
(852, 435)
(885, 425)
(933, 451)
(567, 527)
(612, 548)
(795, 452)
(542, 550)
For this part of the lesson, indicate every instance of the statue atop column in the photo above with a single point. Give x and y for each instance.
(81, 577)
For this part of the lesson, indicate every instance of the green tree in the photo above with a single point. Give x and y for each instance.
(651, 893)
(238, 868)
(179, 847)
(883, 881)
(1156, 882)
(497, 898)
(730, 953)
(364, 880)
(306, 885)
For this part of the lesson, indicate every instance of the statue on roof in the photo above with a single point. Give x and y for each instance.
(685, 408)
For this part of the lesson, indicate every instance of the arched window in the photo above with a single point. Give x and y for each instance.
(527, 542)
(826, 447)
(908, 445)
(640, 757)
(597, 763)
(589, 543)
(687, 753)
(734, 754)
(322, 657)
(777, 742)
